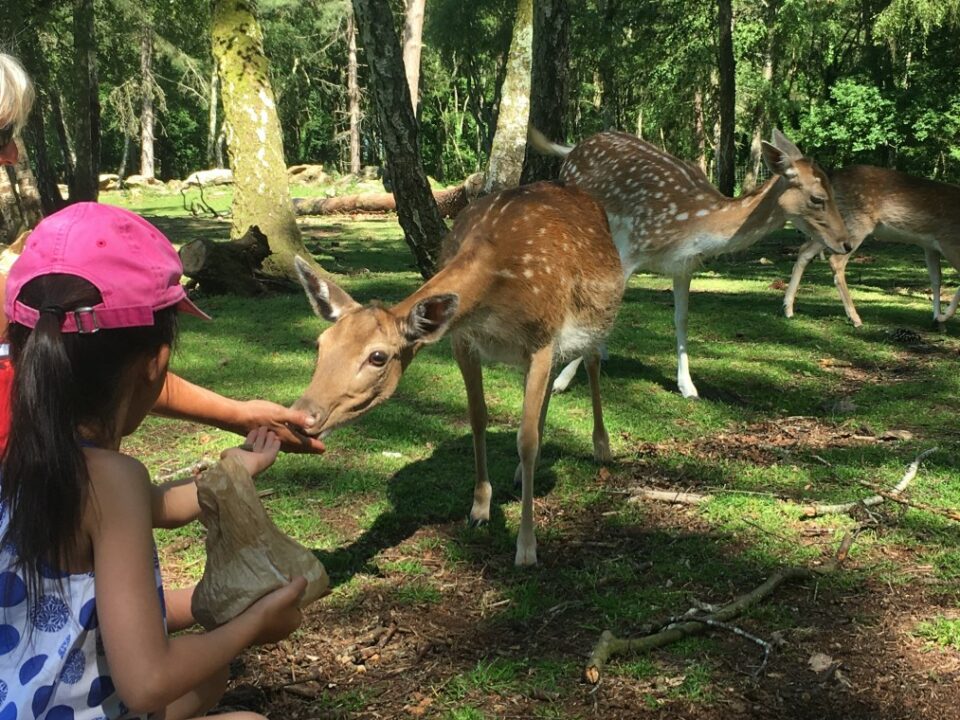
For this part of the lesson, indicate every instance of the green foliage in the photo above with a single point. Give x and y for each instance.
(851, 125)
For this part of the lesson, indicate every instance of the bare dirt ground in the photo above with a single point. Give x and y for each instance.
(850, 651)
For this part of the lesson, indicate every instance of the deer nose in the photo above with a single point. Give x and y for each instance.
(315, 415)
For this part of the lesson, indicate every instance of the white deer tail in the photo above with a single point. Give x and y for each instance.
(540, 143)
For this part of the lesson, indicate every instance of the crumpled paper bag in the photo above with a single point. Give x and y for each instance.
(247, 555)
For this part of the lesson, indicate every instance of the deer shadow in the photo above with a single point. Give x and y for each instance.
(439, 490)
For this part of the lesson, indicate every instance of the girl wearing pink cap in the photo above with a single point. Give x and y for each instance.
(92, 304)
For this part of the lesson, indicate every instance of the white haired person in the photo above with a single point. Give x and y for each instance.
(179, 398)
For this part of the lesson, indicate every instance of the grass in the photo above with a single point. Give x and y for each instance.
(408, 464)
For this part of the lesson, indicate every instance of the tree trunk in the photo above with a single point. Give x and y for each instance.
(261, 194)
(412, 45)
(214, 155)
(726, 151)
(450, 201)
(549, 85)
(699, 130)
(231, 267)
(146, 112)
(28, 192)
(510, 140)
(67, 152)
(765, 111)
(423, 228)
(87, 122)
(10, 213)
(353, 94)
(50, 198)
(609, 101)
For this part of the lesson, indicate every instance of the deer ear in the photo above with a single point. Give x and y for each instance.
(328, 300)
(431, 317)
(781, 142)
(778, 161)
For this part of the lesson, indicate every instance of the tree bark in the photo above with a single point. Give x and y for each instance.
(85, 184)
(423, 228)
(261, 193)
(726, 151)
(549, 86)
(147, 109)
(67, 151)
(699, 129)
(510, 140)
(412, 45)
(28, 191)
(50, 198)
(353, 94)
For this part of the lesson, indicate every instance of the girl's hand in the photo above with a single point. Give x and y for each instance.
(278, 613)
(258, 452)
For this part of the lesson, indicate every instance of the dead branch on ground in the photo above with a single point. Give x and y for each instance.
(816, 510)
(915, 504)
(609, 645)
(670, 496)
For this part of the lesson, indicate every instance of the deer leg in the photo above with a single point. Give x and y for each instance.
(953, 257)
(839, 265)
(933, 269)
(528, 446)
(681, 300)
(808, 252)
(601, 441)
(518, 474)
(472, 373)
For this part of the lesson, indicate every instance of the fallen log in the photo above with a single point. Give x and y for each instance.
(227, 267)
(450, 201)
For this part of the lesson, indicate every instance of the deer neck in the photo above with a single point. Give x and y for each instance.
(749, 218)
(466, 275)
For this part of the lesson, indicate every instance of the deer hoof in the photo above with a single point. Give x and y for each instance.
(526, 556)
(601, 452)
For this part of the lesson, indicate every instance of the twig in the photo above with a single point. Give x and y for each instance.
(916, 504)
(196, 468)
(838, 509)
(766, 646)
(610, 645)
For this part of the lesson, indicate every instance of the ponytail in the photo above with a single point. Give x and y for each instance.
(62, 382)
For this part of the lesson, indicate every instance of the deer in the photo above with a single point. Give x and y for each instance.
(891, 206)
(666, 217)
(529, 276)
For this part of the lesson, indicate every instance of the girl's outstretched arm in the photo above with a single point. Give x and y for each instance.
(149, 669)
(186, 401)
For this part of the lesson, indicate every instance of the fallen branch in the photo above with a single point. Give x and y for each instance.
(609, 645)
(670, 496)
(841, 508)
(915, 504)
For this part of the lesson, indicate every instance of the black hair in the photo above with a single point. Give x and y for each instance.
(62, 381)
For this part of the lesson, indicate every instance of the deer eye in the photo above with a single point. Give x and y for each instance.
(818, 201)
(378, 358)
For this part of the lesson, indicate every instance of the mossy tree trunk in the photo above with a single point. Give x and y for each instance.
(510, 140)
(261, 194)
(726, 151)
(549, 87)
(85, 183)
(423, 228)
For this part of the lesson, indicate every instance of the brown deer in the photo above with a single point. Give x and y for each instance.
(529, 275)
(892, 207)
(667, 218)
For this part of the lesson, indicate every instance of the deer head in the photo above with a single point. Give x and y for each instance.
(363, 354)
(808, 201)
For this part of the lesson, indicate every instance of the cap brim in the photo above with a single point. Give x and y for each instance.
(185, 305)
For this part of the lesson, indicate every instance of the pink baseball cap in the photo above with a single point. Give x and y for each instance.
(127, 259)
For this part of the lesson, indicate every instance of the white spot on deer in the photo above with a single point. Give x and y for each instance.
(542, 231)
(683, 216)
(547, 269)
(702, 213)
(506, 274)
(528, 273)
(526, 257)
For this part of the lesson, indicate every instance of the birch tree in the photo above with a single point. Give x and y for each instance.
(510, 140)
(254, 142)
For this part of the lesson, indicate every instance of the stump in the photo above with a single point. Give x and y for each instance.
(227, 267)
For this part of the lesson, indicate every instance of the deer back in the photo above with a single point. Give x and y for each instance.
(896, 206)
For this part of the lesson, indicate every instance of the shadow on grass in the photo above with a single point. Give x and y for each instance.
(428, 492)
